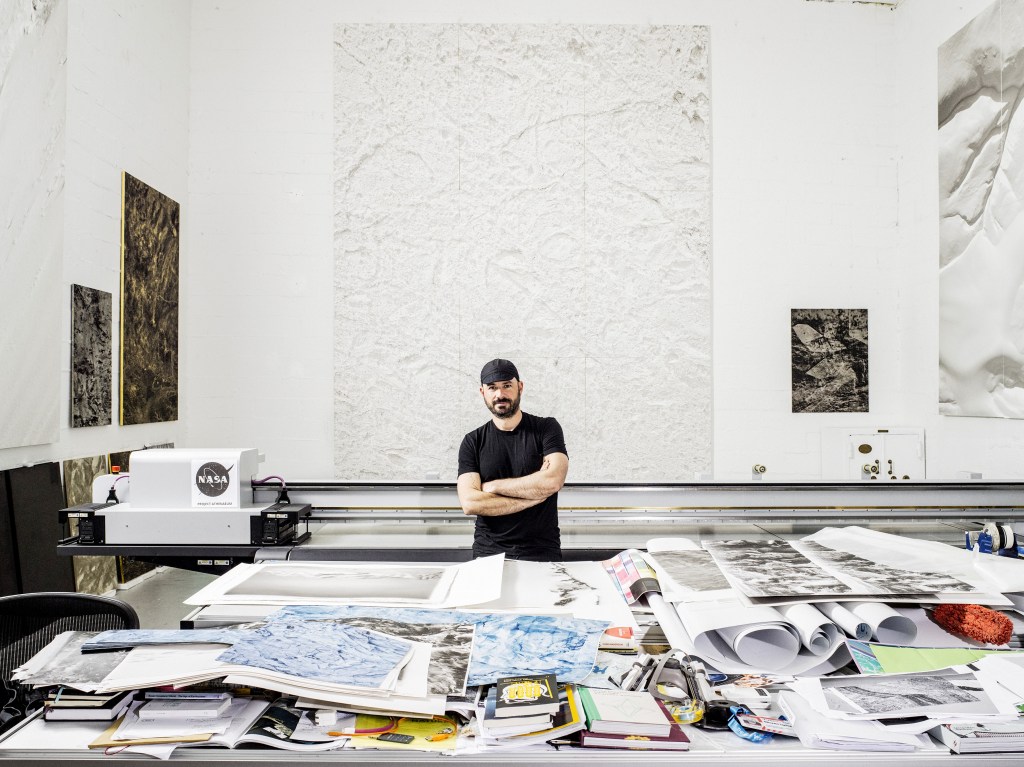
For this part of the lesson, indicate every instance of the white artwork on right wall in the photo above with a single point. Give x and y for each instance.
(981, 215)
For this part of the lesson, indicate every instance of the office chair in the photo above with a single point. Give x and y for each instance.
(29, 621)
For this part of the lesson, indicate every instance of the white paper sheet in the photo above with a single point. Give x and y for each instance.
(393, 584)
(580, 589)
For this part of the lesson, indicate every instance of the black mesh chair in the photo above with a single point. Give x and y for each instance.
(29, 621)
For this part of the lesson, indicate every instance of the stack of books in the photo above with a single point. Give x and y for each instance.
(70, 705)
(626, 719)
(517, 705)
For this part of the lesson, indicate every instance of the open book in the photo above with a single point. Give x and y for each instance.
(248, 720)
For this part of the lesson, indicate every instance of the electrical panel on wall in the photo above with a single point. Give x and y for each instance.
(873, 455)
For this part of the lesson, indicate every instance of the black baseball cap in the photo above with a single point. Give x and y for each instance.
(498, 370)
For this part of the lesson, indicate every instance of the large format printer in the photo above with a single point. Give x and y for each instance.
(161, 513)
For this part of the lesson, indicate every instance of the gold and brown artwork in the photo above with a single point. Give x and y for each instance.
(150, 234)
(93, 575)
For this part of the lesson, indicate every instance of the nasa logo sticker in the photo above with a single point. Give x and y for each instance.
(212, 479)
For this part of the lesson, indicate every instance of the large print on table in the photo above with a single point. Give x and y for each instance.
(555, 176)
(91, 327)
(149, 304)
(830, 360)
(981, 215)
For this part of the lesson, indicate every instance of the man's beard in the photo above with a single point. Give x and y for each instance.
(511, 410)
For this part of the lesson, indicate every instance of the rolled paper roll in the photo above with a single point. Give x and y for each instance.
(846, 620)
(770, 646)
(887, 625)
(817, 633)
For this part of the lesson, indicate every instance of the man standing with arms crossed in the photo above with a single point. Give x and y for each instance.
(510, 472)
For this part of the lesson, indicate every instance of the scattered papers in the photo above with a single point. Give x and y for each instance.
(323, 652)
(62, 662)
(817, 731)
(504, 644)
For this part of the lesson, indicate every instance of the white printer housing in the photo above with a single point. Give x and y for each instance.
(186, 496)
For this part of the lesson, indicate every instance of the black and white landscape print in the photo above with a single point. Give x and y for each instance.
(693, 570)
(830, 360)
(907, 694)
(881, 578)
(91, 356)
(772, 569)
(451, 645)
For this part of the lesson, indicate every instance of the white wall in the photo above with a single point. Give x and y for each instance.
(33, 100)
(805, 159)
(824, 179)
(127, 109)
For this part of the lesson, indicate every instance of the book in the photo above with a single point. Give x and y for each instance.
(526, 695)
(86, 708)
(567, 721)
(522, 723)
(278, 724)
(624, 712)
(676, 740)
(182, 708)
(988, 737)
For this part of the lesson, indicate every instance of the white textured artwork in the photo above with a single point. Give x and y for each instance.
(534, 192)
(33, 51)
(981, 209)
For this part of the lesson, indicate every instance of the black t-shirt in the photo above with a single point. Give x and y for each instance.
(496, 454)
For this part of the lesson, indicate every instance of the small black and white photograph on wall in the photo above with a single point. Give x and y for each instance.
(91, 323)
(830, 360)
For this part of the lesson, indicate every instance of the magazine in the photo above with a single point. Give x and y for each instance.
(248, 720)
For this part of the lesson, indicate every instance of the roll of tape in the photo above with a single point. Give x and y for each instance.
(1009, 540)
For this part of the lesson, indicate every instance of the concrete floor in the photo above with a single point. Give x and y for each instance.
(158, 596)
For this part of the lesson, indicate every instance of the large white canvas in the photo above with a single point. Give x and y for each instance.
(981, 209)
(33, 52)
(534, 192)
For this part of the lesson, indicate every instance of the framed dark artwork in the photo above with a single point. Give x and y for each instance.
(150, 234)
(830, 360)
(91, 328)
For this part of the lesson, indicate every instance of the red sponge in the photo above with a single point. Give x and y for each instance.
(974, 622)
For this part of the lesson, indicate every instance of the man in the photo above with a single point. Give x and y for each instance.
(510, 472)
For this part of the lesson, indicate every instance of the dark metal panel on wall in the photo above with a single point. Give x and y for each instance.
(8, 552)
(36, 495)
